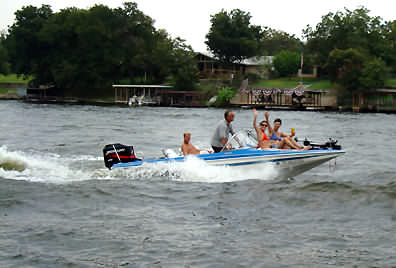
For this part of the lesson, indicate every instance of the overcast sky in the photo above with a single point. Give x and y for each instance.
(190, 20)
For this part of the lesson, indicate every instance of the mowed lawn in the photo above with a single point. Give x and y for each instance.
(391, 82)
(293, 82)
(12, 78)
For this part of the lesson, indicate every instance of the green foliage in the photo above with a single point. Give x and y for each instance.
(4, 65)
(184, 69)
(286, 63)
(351, 29)
(390, 36)
(94, 48)
(253, 77)
(274, 41)
(224, 96)
(29, 56)
(355, 71)
(231, 37)
(13, 78)
(374, 74)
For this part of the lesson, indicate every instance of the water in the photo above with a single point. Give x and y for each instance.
(59, 206)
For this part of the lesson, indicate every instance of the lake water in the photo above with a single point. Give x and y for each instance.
(60, 207)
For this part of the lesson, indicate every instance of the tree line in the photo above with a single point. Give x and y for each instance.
(351, 48)
(95, 47)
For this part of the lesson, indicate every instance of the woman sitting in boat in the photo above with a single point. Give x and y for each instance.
(263, 140)
(279, 139)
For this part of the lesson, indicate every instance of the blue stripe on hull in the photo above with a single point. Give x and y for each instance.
(240, 157)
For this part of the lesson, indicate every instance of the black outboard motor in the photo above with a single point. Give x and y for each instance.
(118, 153)
(331, 144)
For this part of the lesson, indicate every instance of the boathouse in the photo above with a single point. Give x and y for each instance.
(155, 95)
(210, 67)
(145, 94)
(378, 100)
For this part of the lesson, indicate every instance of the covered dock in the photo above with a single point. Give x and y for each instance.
(142, 94)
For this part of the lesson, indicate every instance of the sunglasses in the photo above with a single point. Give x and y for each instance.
(263, 125)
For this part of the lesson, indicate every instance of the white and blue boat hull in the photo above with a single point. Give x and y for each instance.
(288, 163)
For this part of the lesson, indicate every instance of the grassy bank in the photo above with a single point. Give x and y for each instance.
(293, 82)
(391, 82)
(13, 78)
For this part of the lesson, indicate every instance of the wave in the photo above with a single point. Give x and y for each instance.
(53, 168)
(368, 193)
(39, 167)
(196, 170)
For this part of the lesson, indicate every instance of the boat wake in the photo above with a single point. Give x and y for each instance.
(53, 168)
(38, 167)
(196, 170)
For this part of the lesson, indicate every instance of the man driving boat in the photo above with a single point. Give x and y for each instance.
(223, 129)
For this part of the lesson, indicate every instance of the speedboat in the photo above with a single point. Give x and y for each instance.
(288, 162)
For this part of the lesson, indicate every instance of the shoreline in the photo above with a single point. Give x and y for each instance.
(76, 101)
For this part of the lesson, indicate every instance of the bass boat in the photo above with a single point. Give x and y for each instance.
(288, 162)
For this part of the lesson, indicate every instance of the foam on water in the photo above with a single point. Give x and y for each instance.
(38, 167)
(196, 170)
(52, 168)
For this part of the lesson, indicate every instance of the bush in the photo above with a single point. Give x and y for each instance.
(286, 63)
(224, 96)
(253, 77)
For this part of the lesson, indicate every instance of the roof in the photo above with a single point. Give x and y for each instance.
(252, 61)
(258, 60)
(386, 90)
(181, 92)
(142, 86)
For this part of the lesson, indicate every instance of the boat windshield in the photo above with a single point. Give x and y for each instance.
(243, 139)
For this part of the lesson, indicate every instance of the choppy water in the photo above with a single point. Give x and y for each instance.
(59, 206)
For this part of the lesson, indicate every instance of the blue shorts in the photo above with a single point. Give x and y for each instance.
(274, 145)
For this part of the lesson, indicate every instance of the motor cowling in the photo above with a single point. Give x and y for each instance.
(330, 144)
(118, 153)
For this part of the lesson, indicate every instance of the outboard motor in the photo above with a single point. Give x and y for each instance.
(118, 153)
(331, 144)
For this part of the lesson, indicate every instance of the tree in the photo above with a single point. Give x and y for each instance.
(27, 54)
(344, 30)
(232, 38)
(391, 45)
(94, 48)
(274, 41)
(345, 68)
(354, 70)
(286, 63)
(374, 74)
(4, 65)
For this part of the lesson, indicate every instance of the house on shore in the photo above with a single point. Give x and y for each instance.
(211, 68)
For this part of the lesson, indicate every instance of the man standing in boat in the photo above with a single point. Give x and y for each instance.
(223, 129)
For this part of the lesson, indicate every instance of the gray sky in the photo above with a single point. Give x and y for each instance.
(190, 20)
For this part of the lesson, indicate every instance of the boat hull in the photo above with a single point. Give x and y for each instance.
(288, 163)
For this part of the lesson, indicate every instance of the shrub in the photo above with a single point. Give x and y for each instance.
(224, 96)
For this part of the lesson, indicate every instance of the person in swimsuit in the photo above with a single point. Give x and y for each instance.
(279, 139)
(263, 140)
(187, 148)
